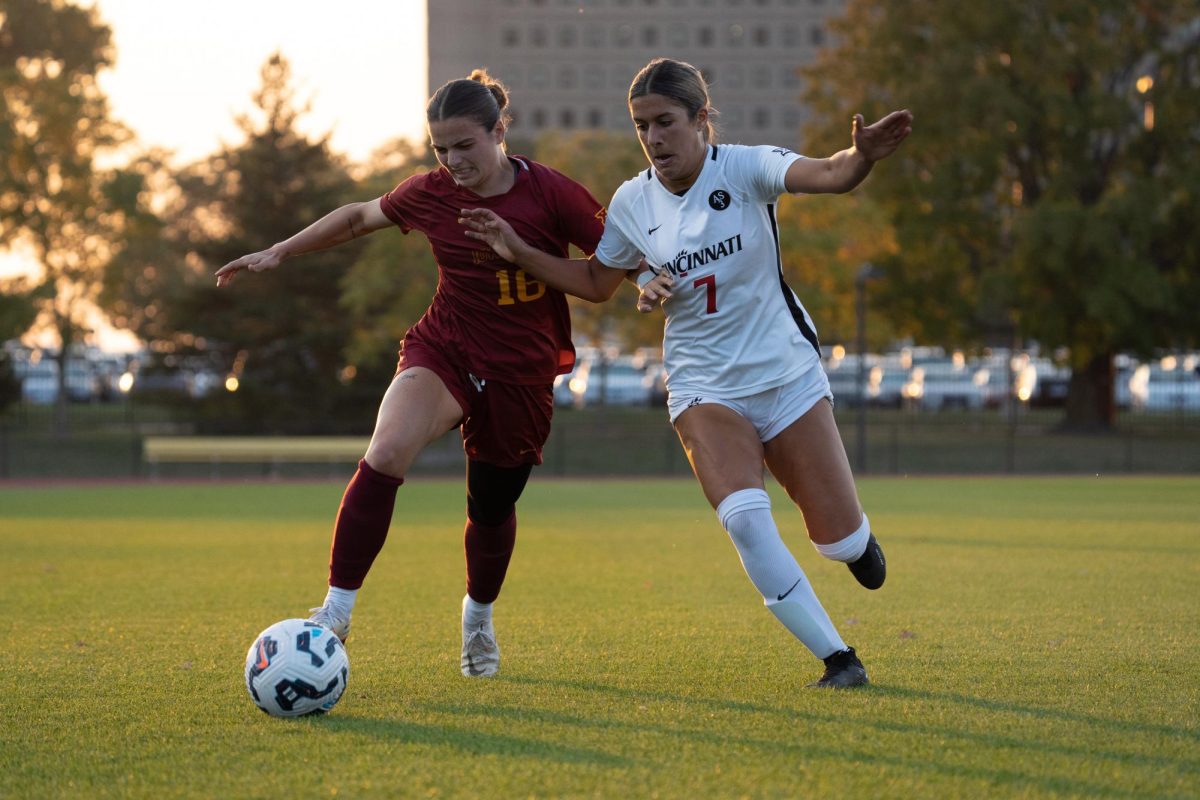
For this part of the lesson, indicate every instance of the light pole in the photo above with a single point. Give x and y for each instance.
(866, 272)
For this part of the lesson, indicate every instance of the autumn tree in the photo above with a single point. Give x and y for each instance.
(1050, 187)
(602, 161)
(282, 333)
(54, 123)
(824, 242)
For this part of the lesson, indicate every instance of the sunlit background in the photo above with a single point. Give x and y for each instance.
(1023, 266)
(183, 72)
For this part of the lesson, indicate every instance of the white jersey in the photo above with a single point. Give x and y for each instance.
(733, 327)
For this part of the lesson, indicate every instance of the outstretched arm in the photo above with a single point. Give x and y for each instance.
(846, 169)
(342, 225)
(585, 278)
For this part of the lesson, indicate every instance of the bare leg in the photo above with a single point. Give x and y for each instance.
(723, 449)
(417, 409)
(727, 457)
(809, 461)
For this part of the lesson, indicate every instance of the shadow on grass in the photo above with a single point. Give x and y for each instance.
(468, 741)
(796, 745)
(1110, 725)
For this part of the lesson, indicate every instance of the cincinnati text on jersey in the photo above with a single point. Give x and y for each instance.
(685, 262)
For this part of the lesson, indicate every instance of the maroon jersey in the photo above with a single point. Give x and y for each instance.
(487, 315)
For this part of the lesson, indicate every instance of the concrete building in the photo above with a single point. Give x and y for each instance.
(569, 63)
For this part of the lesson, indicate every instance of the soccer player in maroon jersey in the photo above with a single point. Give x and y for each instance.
(483, 357)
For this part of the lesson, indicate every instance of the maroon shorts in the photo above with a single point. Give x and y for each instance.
(503, 424)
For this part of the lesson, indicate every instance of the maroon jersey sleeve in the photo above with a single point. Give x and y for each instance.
(395, 204)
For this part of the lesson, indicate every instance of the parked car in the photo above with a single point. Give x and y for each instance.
(938, 385)
(564, 395)
(615, 382)
(1053, 381)
(656, 382)
(842, 372)
(886, 384)
(1154, 387)
(39, 381)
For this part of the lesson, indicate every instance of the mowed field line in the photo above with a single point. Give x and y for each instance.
(1036, 638)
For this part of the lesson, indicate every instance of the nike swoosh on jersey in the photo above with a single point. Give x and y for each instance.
(651, 231)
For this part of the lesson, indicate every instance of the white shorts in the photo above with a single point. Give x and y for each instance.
(769, 411)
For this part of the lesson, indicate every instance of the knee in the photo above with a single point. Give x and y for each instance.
(833, 525)
(846, 546)
(492, 492)
(388, 457)
(742, 516)
(488, 512)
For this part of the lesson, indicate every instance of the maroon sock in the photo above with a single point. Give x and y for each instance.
(489, 548)
(362, 525)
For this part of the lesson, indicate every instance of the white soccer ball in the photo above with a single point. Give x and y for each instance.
(296, 667)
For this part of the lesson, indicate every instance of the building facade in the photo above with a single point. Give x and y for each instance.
(569, 63)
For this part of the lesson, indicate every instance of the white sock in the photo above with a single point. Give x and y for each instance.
(341, 601)
(806, 619)
(773, 570)
(476, 615)
(849, 548)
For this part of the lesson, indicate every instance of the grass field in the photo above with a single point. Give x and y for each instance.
(1036, 638)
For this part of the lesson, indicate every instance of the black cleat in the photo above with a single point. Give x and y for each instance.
(871, 568)
(842, 671)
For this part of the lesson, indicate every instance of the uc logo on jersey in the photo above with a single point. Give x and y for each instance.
(719, 200)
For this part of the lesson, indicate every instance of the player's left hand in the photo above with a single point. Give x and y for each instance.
(656, 290)
(880, 139)
(490, 227)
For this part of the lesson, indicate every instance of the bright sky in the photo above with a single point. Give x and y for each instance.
(184, 70)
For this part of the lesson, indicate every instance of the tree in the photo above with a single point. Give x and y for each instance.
(54, 121)
(1049, 187)
(390, 285)
(602, 161)
(281, 334)
(824, 241)
(18, 310)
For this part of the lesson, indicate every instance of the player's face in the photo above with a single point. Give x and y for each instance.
(673, 141)
(469, 152)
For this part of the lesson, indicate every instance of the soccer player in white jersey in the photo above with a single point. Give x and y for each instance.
(744, 378)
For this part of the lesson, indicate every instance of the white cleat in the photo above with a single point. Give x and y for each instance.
(480, 653)
(325, 616)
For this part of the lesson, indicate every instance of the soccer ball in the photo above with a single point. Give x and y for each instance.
(296, 667)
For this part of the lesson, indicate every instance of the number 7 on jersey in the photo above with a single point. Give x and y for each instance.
(710, 282)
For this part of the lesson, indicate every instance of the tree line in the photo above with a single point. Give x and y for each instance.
(1048, 193)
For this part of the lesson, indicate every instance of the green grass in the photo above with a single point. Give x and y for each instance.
(1036, 638)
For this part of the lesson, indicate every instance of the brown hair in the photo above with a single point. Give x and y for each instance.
(479, 96)
(678, 81)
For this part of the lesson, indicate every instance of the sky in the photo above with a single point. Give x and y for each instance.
(184, 70)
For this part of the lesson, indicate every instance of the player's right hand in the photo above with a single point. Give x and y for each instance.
(255, 262)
